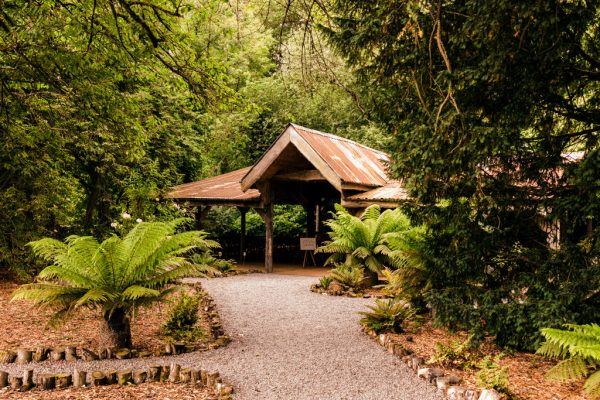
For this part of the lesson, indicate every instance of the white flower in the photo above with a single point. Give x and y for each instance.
(114, 224)
(125, 215)
(139, 220)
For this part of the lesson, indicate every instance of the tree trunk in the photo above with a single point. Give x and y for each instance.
(118, 325)
(371, 278)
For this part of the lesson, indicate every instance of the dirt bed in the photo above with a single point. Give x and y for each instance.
(23, 325)
(526, 371)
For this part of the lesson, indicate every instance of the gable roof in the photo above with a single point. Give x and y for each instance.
(341, 161)
(221, 188)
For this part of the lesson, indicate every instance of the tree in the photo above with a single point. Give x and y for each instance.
(484, 102)
(116, 276)
(371, 241)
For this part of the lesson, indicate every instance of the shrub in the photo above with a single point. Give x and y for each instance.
(579, 348)
(409, 283)
(325, 281)
(181, 323)
(492, 375)
(456, 354)
(387, 316)
(348, 275)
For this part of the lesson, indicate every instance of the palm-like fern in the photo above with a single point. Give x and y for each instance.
(376, 240)
(387, 316)
(579, 348)
(348, 275)
(116, 275)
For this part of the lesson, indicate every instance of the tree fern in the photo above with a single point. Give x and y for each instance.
(375, 241)
(579, 346)
(116, 275)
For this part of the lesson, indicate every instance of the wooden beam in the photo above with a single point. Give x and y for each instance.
(307, 176)
(265, 161)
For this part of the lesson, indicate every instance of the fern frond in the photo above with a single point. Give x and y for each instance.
(592, 385)
(571, 368)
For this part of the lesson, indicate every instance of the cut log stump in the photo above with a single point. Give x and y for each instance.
(7, 357)
(88, 355)
(124, 377)
(99, 378)
(27, 379)
(46, 381)
(139, 376)
(123, 354)
(79, 378)
(23, 356)
(111, 377)
(195, 376)
(185, 375)
(174, 374)
(154, 373)
(3, 379)
(164, 373)
(63, 381)
(39, 354)
(57, 354)
(71, 353)
(16, 382)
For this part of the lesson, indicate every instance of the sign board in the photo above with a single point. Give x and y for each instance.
(308, 243)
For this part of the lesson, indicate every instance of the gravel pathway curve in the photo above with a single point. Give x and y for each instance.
(288, 343)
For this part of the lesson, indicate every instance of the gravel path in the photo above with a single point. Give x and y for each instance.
(288, 343)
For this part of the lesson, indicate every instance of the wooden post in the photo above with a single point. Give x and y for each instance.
(269, 238)
(243, 211)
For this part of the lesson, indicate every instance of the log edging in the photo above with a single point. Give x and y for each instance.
(172, 373)
(449, 385)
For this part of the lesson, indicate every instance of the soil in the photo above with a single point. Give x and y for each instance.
(115, 392)
(526, 371)
(24, 325)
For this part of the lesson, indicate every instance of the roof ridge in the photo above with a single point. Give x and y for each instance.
(336, 137)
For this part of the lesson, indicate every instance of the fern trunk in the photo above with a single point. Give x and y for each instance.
(371, 278)
(119, 327)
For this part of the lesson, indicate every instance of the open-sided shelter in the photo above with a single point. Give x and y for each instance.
(303, 166)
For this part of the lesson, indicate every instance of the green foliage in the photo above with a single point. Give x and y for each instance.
(579, 348)
(325, 281)
(492, 375)
(373, 240)
(208, 264)
(478, 135)
(181, 323)
(289, 221)
(350, 276)
(387, 316)
(117, 275)
(457, 355)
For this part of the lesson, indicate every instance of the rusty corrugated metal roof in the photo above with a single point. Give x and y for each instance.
(392, 191)
(351, 161)
(224, 187)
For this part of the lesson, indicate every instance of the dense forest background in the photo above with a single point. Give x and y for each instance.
(105, 104)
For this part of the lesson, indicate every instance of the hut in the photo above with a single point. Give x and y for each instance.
(303, 167)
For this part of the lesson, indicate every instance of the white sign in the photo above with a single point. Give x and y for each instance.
(309, 243)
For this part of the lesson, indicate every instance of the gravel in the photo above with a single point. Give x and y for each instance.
(288, 343)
